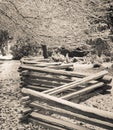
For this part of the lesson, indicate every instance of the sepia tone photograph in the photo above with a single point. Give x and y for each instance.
(56, 64)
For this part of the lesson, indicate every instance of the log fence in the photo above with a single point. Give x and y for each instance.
(49, 90)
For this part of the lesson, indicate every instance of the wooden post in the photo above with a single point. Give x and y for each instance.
(44, 49)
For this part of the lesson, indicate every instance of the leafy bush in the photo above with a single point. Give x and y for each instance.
(24, 48)
(4, 37)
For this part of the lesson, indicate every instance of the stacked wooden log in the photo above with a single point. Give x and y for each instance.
(49, 89)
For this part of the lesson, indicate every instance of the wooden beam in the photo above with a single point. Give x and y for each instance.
(106, 79)
(33, 60)
(92, 113)
(35, 82)
(37, 88)
(26, 111)
(46, 125)
(34, 75)
(25, 98)
(83, 91)
(56, 122)
(62, 66)
(76, 83)
(62, 112)
(43, 64)
(53, 71)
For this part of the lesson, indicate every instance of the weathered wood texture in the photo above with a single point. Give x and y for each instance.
(76, 83)
(53, 71)
(33, 75)
(46, 125)
(56, 122)
(104, 118)
(69, 114)
(83, 91)
(49, 89)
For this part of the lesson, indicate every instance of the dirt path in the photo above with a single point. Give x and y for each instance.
(9, 95)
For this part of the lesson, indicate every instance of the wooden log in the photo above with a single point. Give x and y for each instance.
(83, 91)
(42, 88)
(24, 84)
(43, 64)
(76, 83)
(56, 122)
(91, 113)
(37, 88)
(30, 58)
(97, 91)
(42, 82)
(25, 98)
(44, 49)
(106, 79)
(62, 66)
(26, 103)
(33, 61)
(46, 125)
(34, 75)
(26, 111)
(24, 71)
(69, 114)
(53, 71)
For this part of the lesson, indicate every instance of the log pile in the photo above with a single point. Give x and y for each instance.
(50, 90)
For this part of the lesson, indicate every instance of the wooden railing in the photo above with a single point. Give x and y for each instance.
(49, 90)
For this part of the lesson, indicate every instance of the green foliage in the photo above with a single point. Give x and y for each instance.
(24, 48)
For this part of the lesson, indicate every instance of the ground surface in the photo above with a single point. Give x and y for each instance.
(10, 106)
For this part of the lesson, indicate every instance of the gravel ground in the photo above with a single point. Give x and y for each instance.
(10, 106)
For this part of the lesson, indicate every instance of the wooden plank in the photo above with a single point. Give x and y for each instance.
(83, 91)
(73, 107)
(37, 88)
(56, 122)
(76, 83)
(69, 114)
(34, 60)
(53, 71)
